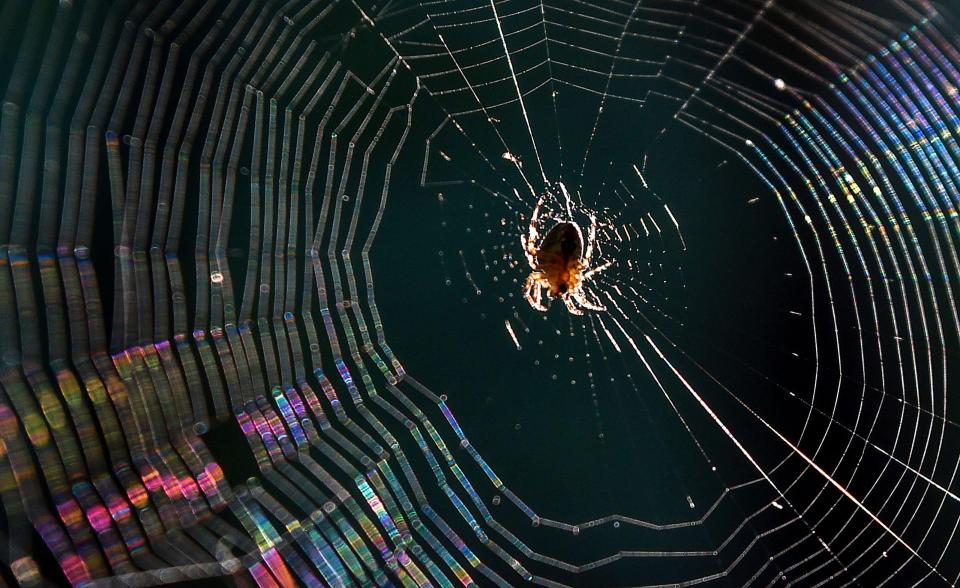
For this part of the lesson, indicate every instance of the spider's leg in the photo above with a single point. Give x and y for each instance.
(591, 237)
(582, 300)
(571, 307)
(533, 292)
(536, 215)
(587, 274)
(529, 241)
(529, 250)
(528, 285)
(541, 286)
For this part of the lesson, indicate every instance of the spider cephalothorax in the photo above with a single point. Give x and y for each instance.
(560, 264)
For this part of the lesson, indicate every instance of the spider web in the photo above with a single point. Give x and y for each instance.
(214, 213)
(707, 69)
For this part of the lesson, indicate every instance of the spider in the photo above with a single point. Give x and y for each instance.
(560, 265)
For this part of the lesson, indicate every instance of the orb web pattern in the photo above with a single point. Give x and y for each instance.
(263, 307)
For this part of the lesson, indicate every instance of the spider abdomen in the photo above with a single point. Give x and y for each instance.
(559, 257)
